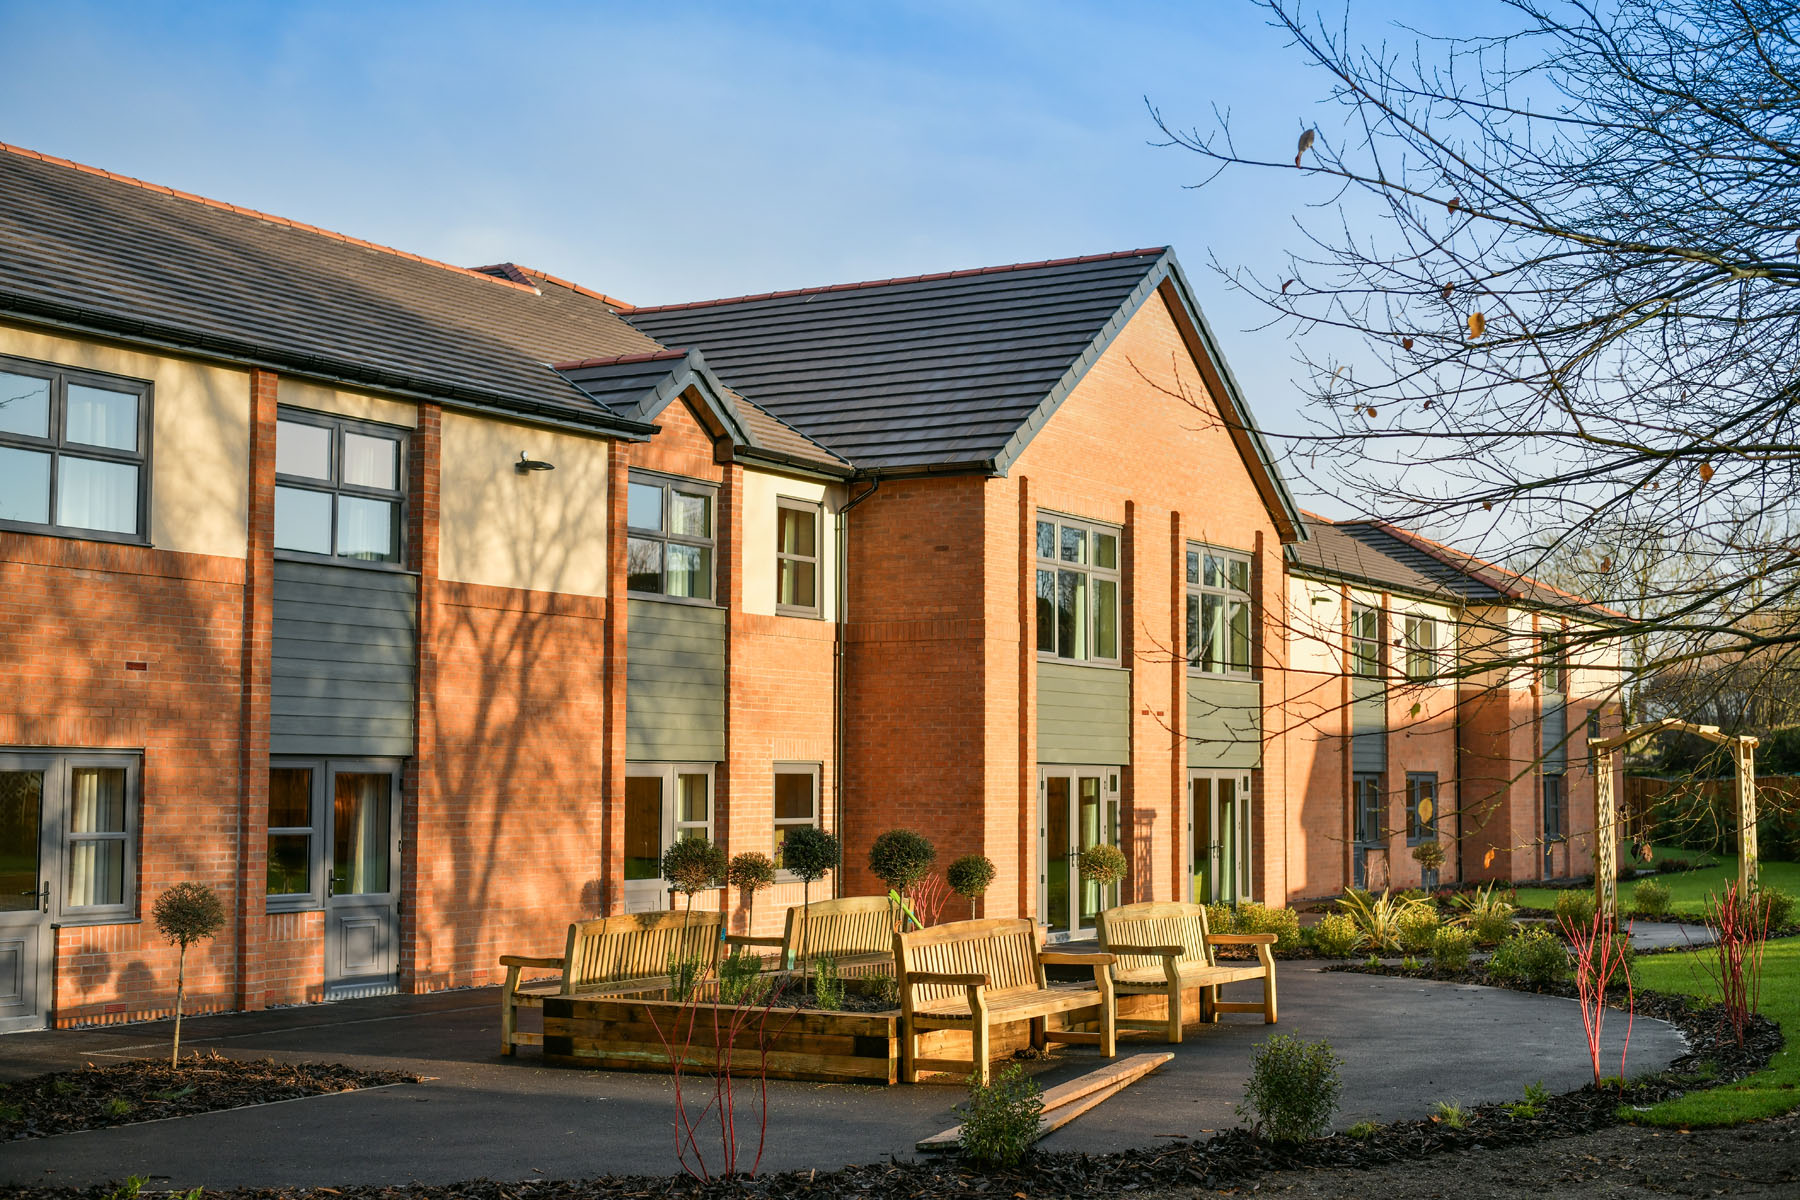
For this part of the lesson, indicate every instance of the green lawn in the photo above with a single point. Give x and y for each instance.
(1768, 1093)
(1689, 888)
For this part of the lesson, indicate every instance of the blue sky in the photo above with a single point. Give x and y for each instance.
(674, 151)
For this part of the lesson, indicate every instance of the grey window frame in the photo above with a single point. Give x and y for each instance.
(816, 771)
(1561, 780)
(317, 866)
(1092, 571)
(58, 767)
(1427, 832)
(817, 511)
(1197, 589)
(687, 486)
(1365, 650)
(1553, 662)
(57, 445)
(1410, 648)
(335, 487)
(1379, 834)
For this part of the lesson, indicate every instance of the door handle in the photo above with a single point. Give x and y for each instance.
(43, 897)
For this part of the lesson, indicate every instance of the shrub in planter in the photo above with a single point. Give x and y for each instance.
(969, 876)
(900, 858)
(1000, 1121)
(1575, 908)
(810, 853)
(1104, 866)
(1450, 947)
(1284, 923)
(1293, 1088)
(1336, 936)
(750, 872)
(1650, 898)
(1532, 955)
(693, 865)
(741, 980)
(1416, 927)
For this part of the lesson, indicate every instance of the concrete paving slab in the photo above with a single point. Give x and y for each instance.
(1406, 1044)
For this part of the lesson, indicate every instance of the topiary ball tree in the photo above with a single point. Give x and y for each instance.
(750, 872)
(900, 858)
(693, 865)
(1103, 865)
(810, 853)
(969, 876)
(185, 914)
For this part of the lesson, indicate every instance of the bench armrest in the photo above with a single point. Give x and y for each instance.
(1161, 951)
(942, 977)
(1240, 939)
(526, 960)
(1061, 958)
(744, 939)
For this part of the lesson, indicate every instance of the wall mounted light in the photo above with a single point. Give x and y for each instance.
(527, 464)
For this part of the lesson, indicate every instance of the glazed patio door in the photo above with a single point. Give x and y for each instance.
(362, 888)
(1078, 807)
(1218, 836)
(663, 801)
(27, 861)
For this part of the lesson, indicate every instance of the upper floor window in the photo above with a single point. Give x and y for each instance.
(339, 487)
(669, 547)
(797, 558)
(1077, 590)
(1218, 611)
(1556, 827)
(74, 451)
(1421, 645)
(1553, 660)
(1365, 640)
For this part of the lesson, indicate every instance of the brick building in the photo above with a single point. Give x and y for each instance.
(416, 608)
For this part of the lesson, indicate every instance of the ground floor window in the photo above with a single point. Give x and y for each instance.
(332, 831)
(1365, 810)
(1555, 809)
(68, 834)
(796, 800)
(1421, 807)
(1078, 807)
(663, 802)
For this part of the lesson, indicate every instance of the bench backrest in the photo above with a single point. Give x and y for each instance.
(1155, 923)
(838, 928)
(636, 945)
(1003, 949)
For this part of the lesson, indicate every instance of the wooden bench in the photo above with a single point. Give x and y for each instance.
(974, 975)
(1166, 948)
(607, 957)
(855, 932)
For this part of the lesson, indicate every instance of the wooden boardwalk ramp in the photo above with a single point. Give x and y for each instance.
(1066, 1101)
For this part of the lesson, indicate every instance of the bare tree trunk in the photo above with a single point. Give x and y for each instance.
(180, 992)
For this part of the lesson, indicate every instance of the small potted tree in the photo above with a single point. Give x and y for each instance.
(691, 865)
(750, 872)
(810, 853)
(1104, 866)
(185, 914)
(1430, 857)
(969, 876)
(900, 858)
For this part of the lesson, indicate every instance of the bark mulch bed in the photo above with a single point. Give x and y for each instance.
(1229, 1159)
(144, 1089)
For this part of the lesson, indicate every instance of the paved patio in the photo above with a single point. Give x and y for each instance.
(1406, 1045)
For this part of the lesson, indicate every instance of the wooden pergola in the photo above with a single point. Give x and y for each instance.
(1606, 805)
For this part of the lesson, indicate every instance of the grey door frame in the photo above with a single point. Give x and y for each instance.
(384, 906)
(31, 927)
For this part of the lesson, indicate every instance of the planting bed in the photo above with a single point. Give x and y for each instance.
(145, 1089)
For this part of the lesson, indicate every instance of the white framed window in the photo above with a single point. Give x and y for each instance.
(1077, 590)
(74, 452)
(340, 488)
(1218, 611)
(669, 546)
(1365, 641)
(1421, 646)
(663, 802)
(796, 557)
(796, 801)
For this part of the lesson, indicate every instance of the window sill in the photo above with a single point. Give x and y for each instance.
(71, 534)
(86, 919)
(801, 614)
(1233, 676)
(328, 560)
(1099, 664)
(295, 904)
(659, 598)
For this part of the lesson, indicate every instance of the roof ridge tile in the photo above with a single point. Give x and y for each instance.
(619, 360)
(534, 273)
(899, 279)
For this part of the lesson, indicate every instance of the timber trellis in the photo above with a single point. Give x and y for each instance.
(1606, 805)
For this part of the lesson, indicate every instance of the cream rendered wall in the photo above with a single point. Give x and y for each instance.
(200, 448)
(757, 563)
(542, 531)
(1315, 626)
(298, 393)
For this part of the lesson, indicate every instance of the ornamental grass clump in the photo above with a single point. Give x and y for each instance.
(1650, 898)
(1336, 936)
(1485, 914)
(185, 914)
(1378, 917)
(1293, 1089)
(969, 876)
(1532, 955)
(1450, 948)
(1001, 1119)
(1416, 927)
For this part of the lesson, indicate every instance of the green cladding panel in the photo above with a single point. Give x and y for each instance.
(1556, 731)
(1368, 725)
(343, 671)
(1224, 722)
(674, 682)
(1083, 714)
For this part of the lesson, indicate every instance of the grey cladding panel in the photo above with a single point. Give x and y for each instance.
(1224, 722)
(1368, 725)
(1083, 714)
(1556, 730)
(674, 682)
(345, 655)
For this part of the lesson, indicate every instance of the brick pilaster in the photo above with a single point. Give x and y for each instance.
(256, 649)
(1179, 874)
(423, 796)
(1027, 853)
(611, 834)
